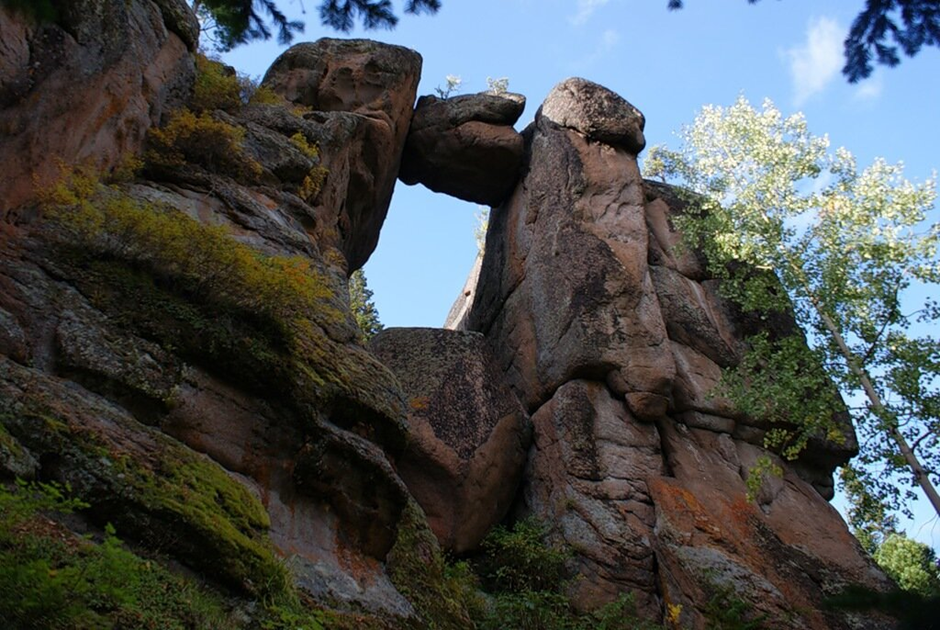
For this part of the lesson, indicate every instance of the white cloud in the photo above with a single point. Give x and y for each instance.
(871, 88)
(586, 9)
(816, 62)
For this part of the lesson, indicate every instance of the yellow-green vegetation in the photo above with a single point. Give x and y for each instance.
(313, 182)
(216, 87)
(51, 578)
(527, 578)
(222, 528)
(261, 320)
(202, 140)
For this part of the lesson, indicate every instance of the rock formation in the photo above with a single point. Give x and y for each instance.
(468, 433)
(613, 338)
(178, 346)
(465, 146)
(135, 63)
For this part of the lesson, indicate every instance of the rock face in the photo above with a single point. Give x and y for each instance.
(179, 347)
(228, 437)
(613, 337)
(465, 146)
(468, 433)
(363, 95)
(87, 88)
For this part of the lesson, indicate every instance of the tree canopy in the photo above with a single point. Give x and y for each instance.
(859, 266)
(234, 22)
(877, 33)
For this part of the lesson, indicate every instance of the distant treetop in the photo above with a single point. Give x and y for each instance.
(876, 33)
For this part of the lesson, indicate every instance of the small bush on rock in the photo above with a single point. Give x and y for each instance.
(217, 87)
(201, 140)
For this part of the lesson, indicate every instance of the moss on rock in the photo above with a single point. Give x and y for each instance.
(165, 495)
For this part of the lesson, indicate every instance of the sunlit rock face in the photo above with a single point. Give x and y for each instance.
(614, 337)
(87, 88)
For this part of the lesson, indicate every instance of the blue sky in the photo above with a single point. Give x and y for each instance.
(666, 63)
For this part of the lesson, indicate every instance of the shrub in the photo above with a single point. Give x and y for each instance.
(217, 87)
(202, 140)
(518, 560)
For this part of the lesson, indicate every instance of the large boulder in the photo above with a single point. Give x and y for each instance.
(465, 146)
(469, 435)
(362, 93)
(86, 88)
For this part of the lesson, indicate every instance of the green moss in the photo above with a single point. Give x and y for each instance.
(149, 485)
(51, 578)
(38, 10)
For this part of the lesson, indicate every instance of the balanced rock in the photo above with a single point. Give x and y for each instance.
(469, 435)
(465, 146)
(598, 113)
(362, 93)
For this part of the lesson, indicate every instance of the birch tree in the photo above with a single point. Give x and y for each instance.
(857, 261)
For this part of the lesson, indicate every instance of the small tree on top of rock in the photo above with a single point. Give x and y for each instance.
(857, 263)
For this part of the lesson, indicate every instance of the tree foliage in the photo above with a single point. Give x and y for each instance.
(854, 256)
(361, 305)
(877, 33)
(912, 564)
(234, 22)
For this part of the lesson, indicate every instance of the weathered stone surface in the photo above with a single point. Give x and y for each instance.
(469, 434)
(598, 113)
(465, 146)
(587, 476)
(86, 89)
(565, 290)
(783, 554)
(374, 86)
(614, 336)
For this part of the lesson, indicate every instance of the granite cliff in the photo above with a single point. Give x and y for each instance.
(176, 342)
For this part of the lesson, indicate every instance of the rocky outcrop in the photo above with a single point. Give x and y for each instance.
(87, 87)
(465, 146)
(230, 437)
(614, 337)
(362, 95)
(468, 435)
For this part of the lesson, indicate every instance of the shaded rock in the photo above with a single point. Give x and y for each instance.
(465, 146)
(587, 476)
(595, 111)
(86, 89)
(374, 85)
(468, 434)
